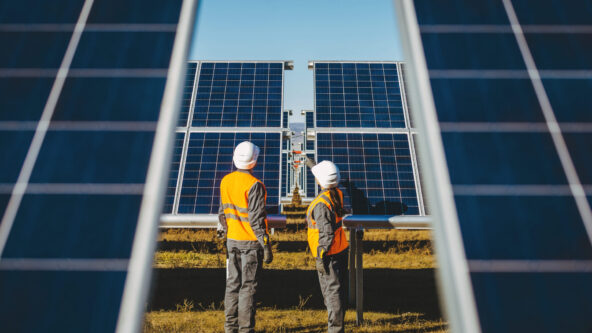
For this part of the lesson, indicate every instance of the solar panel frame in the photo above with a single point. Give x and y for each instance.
(485, 273)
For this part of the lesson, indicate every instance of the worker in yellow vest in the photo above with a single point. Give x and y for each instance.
(243, 219)
(327, 241)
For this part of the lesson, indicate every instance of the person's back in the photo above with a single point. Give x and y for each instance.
(243, 219)
(237, 189)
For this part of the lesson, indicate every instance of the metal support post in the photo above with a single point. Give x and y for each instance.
(359, 277)
(352, 267)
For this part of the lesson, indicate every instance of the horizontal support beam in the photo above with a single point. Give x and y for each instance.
(209, 221)
(388, 222)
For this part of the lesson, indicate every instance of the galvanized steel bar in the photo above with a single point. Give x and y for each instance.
(209, 221)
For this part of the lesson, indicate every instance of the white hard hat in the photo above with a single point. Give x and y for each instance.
(245, 155)
(327, 174)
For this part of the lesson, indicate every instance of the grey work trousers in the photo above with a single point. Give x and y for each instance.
(333, 287)
(242, 272)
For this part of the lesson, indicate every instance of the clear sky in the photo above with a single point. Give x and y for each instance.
(296, 30)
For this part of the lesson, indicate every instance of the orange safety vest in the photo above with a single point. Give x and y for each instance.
(234, 192)
(339, 241)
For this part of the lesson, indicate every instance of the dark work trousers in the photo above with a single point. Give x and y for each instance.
(242, 273)
(333, 287)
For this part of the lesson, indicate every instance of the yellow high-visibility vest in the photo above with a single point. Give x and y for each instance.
(234, 192)
(339, 241)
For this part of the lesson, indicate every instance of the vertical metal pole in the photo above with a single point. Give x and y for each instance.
(352, 266)
(359, 278)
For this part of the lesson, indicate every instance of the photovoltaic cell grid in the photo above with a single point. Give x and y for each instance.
(174, 173)
(285, 120)
(83, 196)
(309, 120)
(524, 235)
(209, 159)
(357, 95)
(234, 94)
(187, 93)
(310, 182)
(376, 171)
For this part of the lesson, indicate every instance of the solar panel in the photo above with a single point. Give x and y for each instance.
(311, 186)
(310, 119)
(510, 81)
(285, 119)
(285, 175)
(188, 94)
(209, 159)
(376, 171)
(235, 94)
(174, 174)
(81, 86)
(357, 94)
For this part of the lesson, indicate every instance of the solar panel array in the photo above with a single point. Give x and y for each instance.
(227, 94)
(81, 85)
(376, 171)
(357, 94)
(511, 84)
(235, 94)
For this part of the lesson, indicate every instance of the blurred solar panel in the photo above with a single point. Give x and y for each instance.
(68, 226)
(502, 73)
(239, 94)
(209, 159)
(376, 171)
(357, 94)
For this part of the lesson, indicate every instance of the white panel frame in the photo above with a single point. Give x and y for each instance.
(137, 282)
(456, 291)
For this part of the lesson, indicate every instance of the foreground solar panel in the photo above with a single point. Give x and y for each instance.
(81, 86)
(510, 82)
(376, 171)
(209, 159)
(239, 94)
(357, 94)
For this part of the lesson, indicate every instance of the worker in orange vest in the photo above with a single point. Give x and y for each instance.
(243, 220)
(327, 241)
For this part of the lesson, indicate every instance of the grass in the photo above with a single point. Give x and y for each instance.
(196, 235)
(408, 253)
(295, 260)
(290, 320)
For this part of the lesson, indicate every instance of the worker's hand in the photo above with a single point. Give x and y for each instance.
(220, 232)
(267, 254)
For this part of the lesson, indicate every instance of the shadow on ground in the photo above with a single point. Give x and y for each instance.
(385, 290)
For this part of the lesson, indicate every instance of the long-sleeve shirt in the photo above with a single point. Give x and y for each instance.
(326, 223)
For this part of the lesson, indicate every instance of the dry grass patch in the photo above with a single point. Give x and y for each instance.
(271, 320)
(415, 259)
(200, 235)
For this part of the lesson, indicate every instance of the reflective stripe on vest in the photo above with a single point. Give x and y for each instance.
(234, 192)
(339, 240)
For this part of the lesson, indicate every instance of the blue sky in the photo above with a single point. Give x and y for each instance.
(296, 30)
